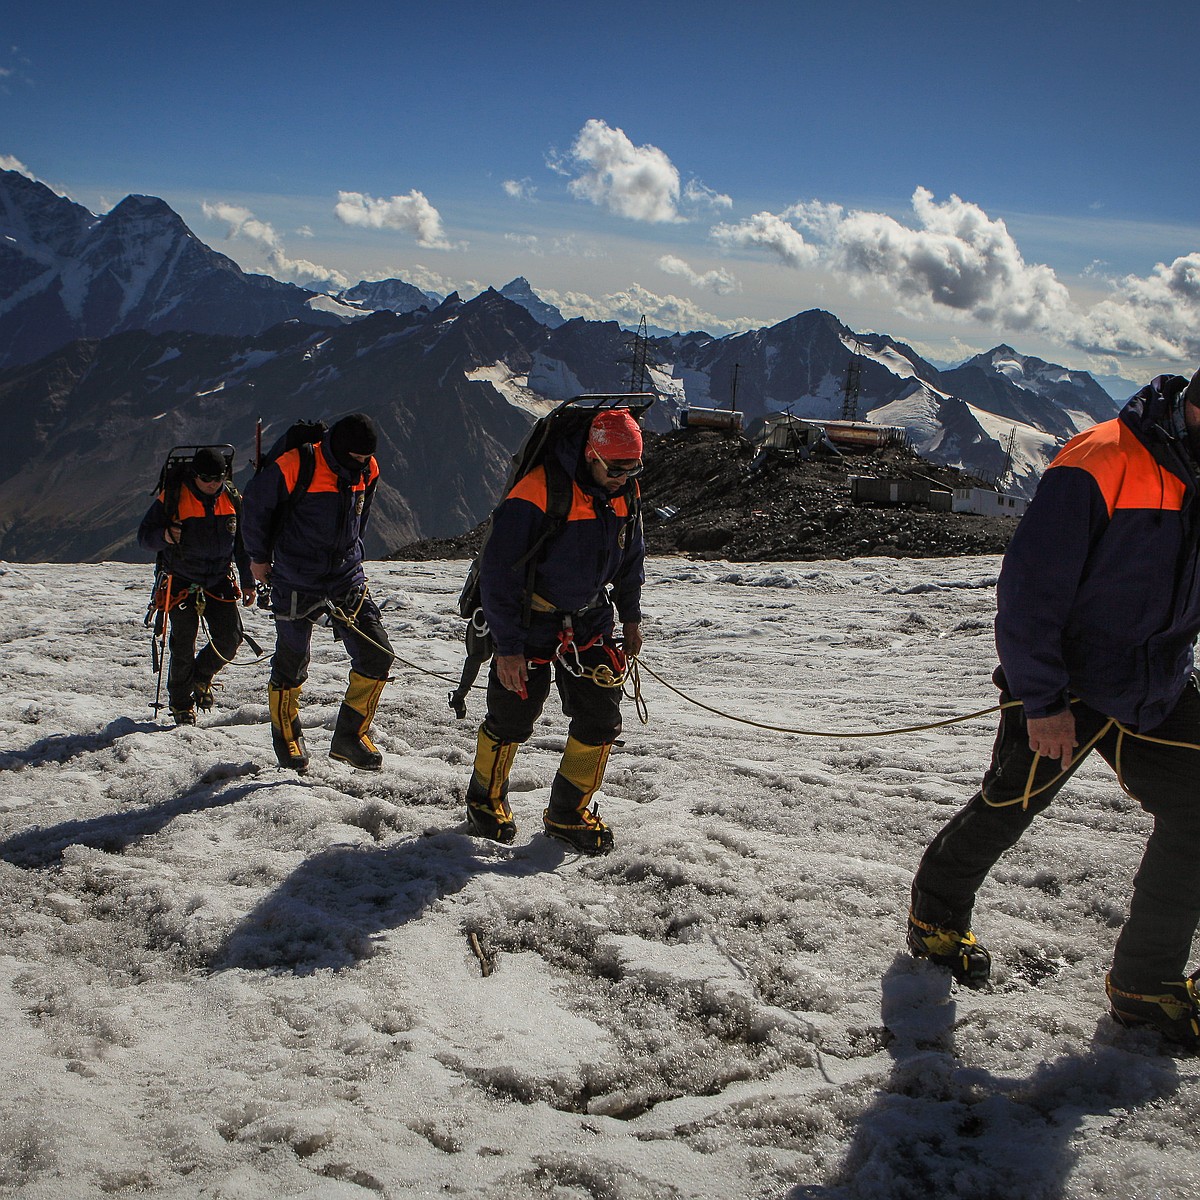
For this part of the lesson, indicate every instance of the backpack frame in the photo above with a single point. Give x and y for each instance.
(570, 417)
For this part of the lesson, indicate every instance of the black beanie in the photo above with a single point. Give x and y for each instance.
(354, 434)
(207, 461)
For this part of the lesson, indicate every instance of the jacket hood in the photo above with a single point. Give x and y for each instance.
(1151, 410)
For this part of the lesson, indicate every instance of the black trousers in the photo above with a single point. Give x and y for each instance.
(186, 666)
(594, 712)
(1155, 942)
(366, 640)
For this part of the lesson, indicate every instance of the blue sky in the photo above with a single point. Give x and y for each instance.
(955, 174)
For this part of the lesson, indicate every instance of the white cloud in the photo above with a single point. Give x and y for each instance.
(242, 223)
(956, 259)
(519, 189)
(697, 194)
(412, 214)
(1155, 315)
(630, 305)
(767, 231)
(719, 281)
(429, 281)
(529, 242)
(9, 163)
(638, 182)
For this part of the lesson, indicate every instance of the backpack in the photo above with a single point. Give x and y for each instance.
(570, 418)
(174, 472)
(302, 436)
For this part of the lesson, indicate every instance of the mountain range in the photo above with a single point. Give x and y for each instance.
(124, 335)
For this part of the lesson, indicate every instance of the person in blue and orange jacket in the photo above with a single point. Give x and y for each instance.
(309, 548)
(594, 562)
(198, 538)
(1098, 608)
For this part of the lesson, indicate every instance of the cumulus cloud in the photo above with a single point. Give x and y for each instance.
(770, 232)
(695, 193)
(519, 189)
(242, 223)
(630, 305)
(430, 281)
(956, 257)
(638, 182)
(1155, 315)
(412, 214)
(719, 281)
(953, 258)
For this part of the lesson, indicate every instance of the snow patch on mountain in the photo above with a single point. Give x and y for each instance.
(918, 410)
(886, 356)
(514, 388)
(551, 377)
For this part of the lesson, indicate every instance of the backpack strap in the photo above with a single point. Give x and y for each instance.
(560, 491)
(304, 478)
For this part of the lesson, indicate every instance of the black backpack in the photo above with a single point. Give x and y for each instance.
(175, 469)
(302, 436)
(570, 418)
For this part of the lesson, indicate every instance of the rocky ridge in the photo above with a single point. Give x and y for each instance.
(788, 509)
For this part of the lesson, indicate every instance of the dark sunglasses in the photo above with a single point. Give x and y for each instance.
(211, 478)
(616, 472)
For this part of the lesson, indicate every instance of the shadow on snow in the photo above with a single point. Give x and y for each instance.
(940, 1128)
(329, 912)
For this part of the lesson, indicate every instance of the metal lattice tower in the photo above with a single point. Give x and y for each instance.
(641, 351)
(851, 387)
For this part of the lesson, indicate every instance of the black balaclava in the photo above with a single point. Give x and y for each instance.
(354, 434)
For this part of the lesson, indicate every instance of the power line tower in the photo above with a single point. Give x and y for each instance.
(641, 354)
(733, 391)
(1009, 447)
(851, 387)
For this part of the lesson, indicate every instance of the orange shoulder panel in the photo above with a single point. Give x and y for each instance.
(531, 487)
(289, 467)
(1126, 473)
(582, 508)
(325, 478)
(189, 506)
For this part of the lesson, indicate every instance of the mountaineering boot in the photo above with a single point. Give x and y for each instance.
(568, 818)
(1174, 1011)
(202, 694)
(488, 813)
(351, 743)
(286, 735)
(967, 960)
(183, 716)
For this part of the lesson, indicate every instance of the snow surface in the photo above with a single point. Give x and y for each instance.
(513, 387)
(219, 979)
(886, 356)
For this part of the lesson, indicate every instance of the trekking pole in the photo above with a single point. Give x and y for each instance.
(158, 643)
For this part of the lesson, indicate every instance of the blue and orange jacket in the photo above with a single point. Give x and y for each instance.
(1099, 594)
(210, 538)
(598, 547)
(318, 549)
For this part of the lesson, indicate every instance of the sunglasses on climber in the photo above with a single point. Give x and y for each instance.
(616, 470)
